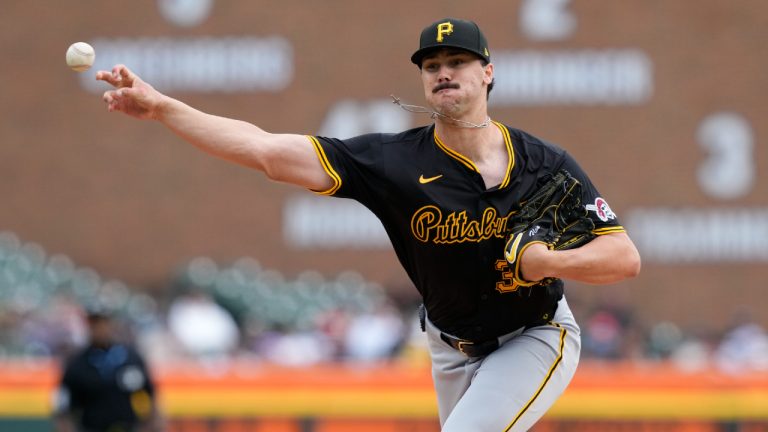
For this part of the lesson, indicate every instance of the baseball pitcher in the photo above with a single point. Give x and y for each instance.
(486, 219)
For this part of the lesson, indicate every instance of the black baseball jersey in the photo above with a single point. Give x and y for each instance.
(447, 227)
(106, 389)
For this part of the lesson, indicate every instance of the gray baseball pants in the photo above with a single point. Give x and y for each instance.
(511, 388)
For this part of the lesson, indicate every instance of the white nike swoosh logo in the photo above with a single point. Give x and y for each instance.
(510, 252)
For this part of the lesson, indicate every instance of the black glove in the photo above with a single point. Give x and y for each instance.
(553, 216)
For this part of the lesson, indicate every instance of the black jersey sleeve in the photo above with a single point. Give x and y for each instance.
(354, 164)
(599, 211)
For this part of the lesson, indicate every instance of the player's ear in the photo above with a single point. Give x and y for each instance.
(488, 73)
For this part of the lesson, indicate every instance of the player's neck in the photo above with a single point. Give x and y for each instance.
(462, 115)
(478, 144)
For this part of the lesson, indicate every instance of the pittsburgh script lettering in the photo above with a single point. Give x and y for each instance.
(429, 225)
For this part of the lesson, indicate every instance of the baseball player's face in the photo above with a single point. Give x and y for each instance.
(453, 80)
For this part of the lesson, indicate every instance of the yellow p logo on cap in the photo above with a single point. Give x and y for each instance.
(444, 29)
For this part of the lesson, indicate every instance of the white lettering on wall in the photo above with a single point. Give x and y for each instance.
(225, 64)
(696, 235)
(315, 222)
(585, 77)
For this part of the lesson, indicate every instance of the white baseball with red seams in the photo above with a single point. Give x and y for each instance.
(80, 56)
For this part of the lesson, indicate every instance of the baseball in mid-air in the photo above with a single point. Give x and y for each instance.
(80, 56)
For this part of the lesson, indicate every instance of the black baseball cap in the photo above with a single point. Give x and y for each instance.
(453, 33)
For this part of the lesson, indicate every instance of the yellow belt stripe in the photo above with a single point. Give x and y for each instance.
(327, 167)
(563, 332)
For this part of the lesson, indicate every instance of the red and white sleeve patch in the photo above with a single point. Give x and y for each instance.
(601, 209)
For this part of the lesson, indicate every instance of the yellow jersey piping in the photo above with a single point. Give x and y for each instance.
(456, 155)
(510, 154)
(609, 230)
(471, 165)
(326, 167)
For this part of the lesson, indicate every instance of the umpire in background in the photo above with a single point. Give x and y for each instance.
(106, 386)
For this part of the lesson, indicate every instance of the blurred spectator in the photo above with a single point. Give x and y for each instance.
(415, 350)
(606, 332)
(55, 330)
(106, 386)
(295, 348)
(691, 355)
(334, 325)
(203, 328)
(663, 339)
(603, 336)
(375, 335)
(744, 348)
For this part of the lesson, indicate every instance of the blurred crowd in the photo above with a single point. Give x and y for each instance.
(214, 313)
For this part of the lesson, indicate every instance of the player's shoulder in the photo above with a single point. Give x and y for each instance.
(371, 141)
(528, 142)
(410, 136)
(534, 152)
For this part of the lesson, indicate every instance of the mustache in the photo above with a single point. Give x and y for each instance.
(445, 86)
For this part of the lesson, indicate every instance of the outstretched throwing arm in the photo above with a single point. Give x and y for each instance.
(288, 158)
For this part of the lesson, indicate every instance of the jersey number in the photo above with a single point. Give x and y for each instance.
(507, 284)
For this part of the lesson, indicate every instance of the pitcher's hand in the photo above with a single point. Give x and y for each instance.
(131, 95)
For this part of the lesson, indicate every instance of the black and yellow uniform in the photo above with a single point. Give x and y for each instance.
(106, 389)
(448, 227)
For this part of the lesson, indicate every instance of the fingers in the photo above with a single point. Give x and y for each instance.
(120, 76)
(124, 72)
(111, 99)
(117, 98)
(107, 77)
(130, 95)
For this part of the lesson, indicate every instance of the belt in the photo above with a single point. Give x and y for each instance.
(471, 348)
(481, 349)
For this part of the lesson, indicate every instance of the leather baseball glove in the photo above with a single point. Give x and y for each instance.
(553, 216)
